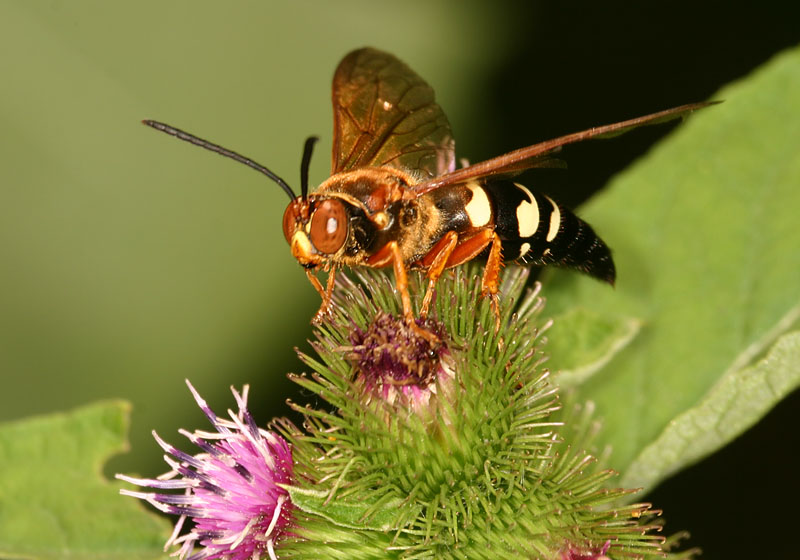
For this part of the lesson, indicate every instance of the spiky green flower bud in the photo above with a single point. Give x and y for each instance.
(457, 450)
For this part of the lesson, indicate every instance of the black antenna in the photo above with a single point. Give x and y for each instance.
(308, 148)
(192, 139)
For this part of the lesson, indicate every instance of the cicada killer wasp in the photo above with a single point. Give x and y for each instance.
(395, 197)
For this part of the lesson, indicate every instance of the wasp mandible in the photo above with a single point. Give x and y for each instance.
(395, 197)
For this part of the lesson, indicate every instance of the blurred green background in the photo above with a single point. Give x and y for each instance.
(131, 261)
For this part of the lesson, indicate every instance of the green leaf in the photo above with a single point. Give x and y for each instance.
(54, 502)
(733, 405)
(364, 514)
(704, 232)
(581, 342)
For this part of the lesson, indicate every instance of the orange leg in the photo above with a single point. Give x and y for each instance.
(401, 280)
(387, 255)
(444, 255)
(390, 253)
(491, 275)
(325, 293)
(443, 251)
(469, 246)
(316, 283)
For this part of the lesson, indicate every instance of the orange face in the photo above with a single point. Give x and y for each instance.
(316, 229)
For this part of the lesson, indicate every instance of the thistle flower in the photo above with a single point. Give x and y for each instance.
(232, 489)
(457, 450)
(396, 364)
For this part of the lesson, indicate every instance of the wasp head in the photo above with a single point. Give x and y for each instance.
(316, 229)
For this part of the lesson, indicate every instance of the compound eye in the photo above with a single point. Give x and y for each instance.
(329, 226)
(290, 219)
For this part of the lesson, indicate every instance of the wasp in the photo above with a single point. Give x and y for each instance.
(395, 198)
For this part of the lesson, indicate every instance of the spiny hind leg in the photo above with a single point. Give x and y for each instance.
(491, 277)
(452, 250)
(441, 251)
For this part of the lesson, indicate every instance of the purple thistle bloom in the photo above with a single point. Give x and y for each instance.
(395, 364)
(231, 489)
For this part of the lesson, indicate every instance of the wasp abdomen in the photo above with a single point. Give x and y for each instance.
(535, 229)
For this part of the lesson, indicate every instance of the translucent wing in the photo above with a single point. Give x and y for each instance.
(538, 154)
(385, 114)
